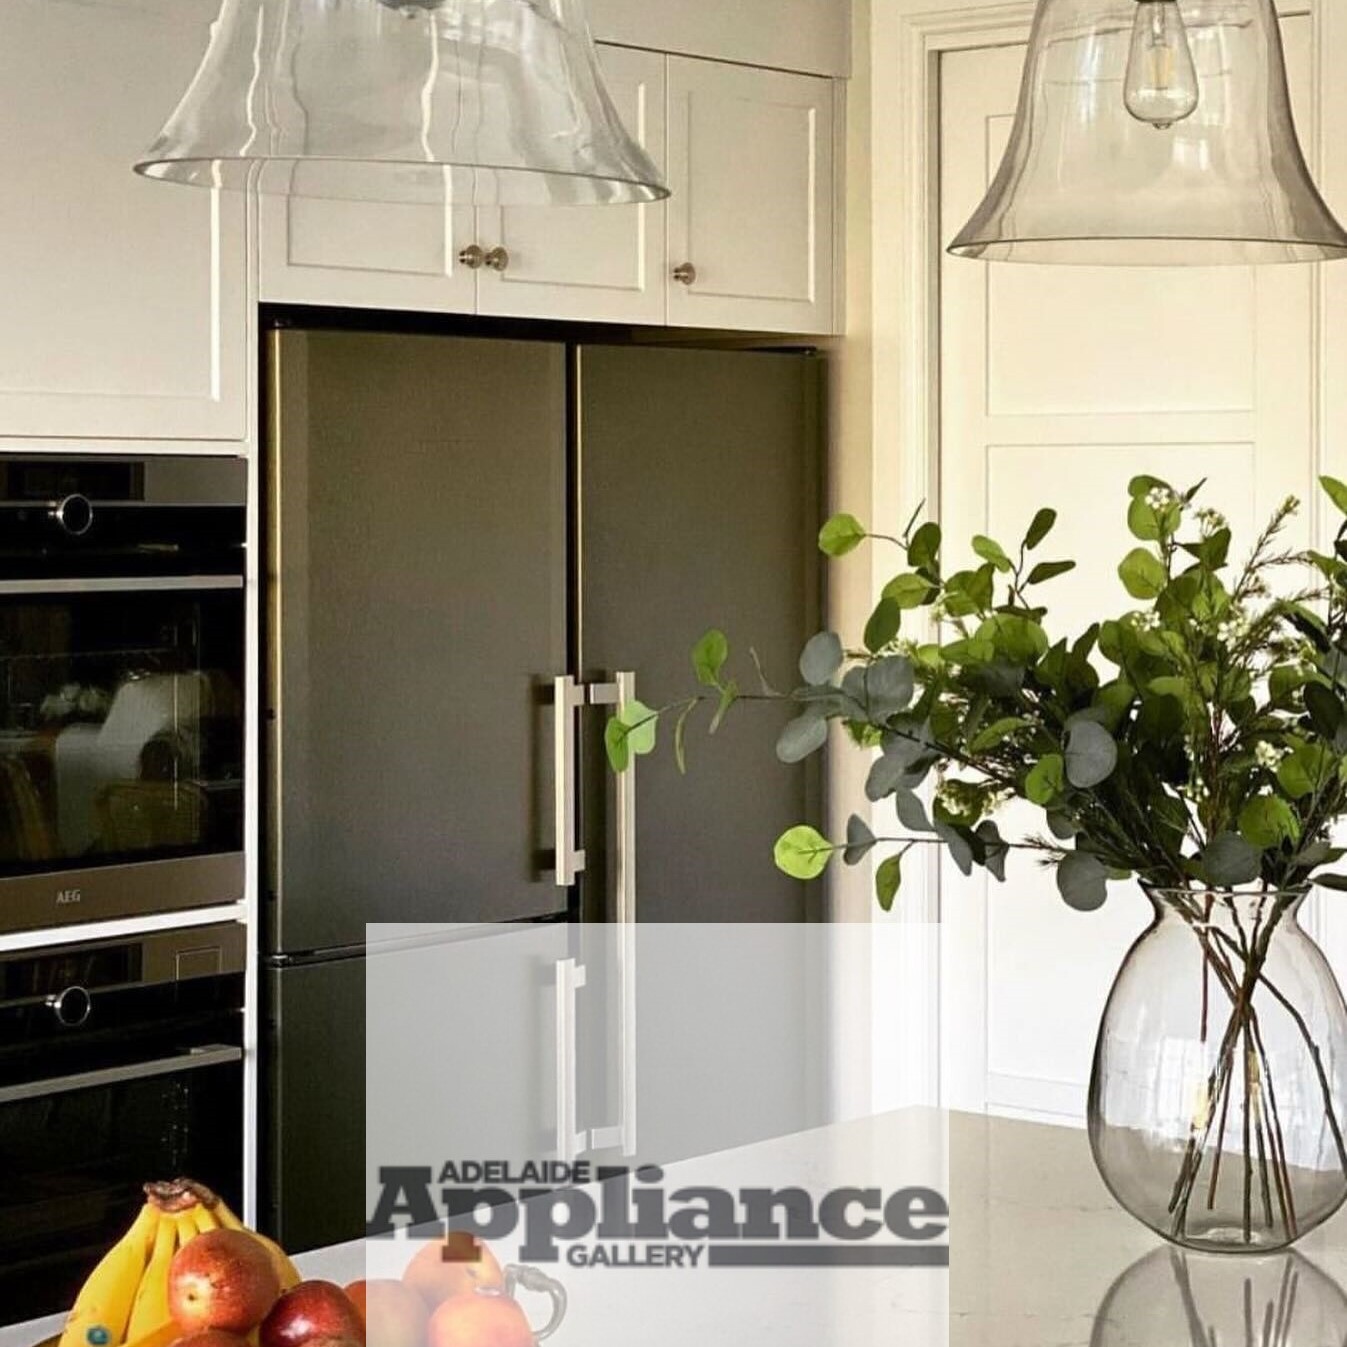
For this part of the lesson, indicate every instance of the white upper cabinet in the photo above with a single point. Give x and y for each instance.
(751, 223)
(749, 156)
(124, 300)
(583, 262)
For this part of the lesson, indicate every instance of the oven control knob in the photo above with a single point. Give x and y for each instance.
(72, 1007)
(75, 514)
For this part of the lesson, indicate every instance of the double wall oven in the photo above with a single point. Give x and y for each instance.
(122, 638)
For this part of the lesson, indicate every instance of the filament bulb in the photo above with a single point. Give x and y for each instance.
(1161, 83)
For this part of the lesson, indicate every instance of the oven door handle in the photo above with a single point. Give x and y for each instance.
(130, 584)
(197, 1059)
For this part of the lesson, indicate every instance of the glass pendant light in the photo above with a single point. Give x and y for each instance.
(474, 102)
(1153, 133)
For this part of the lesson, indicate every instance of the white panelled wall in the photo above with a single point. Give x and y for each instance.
(1016, 387)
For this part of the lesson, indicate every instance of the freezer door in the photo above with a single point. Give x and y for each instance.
(417, 616)
(699, 479)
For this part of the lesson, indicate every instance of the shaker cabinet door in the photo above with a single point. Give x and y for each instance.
(592, 264)
(751, 222)
(124, 299)
(366, 254)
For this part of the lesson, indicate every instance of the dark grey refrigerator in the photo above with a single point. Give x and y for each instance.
(452, 524)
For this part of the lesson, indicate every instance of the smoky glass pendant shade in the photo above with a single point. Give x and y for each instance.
(1152, 133)
(473, 102)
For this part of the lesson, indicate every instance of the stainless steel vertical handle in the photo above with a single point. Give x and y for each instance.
(567, 699)
(571, 1142)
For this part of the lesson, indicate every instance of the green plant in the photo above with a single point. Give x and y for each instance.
(1198, 741)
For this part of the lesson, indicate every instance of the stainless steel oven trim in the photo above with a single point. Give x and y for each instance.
(196, 1059)
(119, 584)
(54, 898)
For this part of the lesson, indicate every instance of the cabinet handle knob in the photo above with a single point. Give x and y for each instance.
(498, 259)
(685, 274)
(473, 257)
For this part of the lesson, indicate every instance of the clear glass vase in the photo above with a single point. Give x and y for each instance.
(1219, 1094)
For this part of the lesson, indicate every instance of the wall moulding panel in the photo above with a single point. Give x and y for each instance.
(812, 36)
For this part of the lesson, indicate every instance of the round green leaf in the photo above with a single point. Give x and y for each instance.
(1268, 821)
(860, 840)
(804, 736)
(883, 626)
(909, 591)
(1047, 780)
(1336, 492)
(803, 853)
(1230, 861)
(1143, 574)
(843, 533)
(641, 724)
(709, 656)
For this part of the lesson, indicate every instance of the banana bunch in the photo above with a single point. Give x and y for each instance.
(125, 1300)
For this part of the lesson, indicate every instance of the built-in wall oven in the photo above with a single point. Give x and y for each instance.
(121, 1063)
(122, 637)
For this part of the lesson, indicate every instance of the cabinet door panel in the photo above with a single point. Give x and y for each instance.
(600, 264)
(363, 254)
(751, 166)
(125, 299)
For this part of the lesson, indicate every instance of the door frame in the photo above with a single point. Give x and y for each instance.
(907, 41)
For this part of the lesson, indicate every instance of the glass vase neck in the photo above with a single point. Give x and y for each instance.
(1240, 905)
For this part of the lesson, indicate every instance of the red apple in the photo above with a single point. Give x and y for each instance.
(223, 1279)
(394, 1314)
(455, 1266)
(212, 1337)
(311, 1311)
(480, 1319)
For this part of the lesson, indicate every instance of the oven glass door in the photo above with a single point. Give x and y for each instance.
(121, 722)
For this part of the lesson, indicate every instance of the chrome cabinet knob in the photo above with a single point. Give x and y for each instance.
(473, 257)
(498, 259)
(685, 274)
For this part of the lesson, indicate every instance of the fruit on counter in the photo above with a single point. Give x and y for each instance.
(125, 1302)
(102, 1311)
(394, 1314)
(480, 1319)
(310, 1312)
(455, 1266)
(211, 1337)
(223, 1279)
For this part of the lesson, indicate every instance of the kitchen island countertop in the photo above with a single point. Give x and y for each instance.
(1040, 1257)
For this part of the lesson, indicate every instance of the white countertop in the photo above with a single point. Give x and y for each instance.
(1040, 1257)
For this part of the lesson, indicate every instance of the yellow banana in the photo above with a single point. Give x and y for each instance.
(151, 1306)
(200, 1219)
(103, 1308)
(287, 1273)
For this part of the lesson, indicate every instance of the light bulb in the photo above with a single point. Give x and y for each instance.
(1161, 83)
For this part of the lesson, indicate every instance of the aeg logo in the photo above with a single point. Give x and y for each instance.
(67, 897)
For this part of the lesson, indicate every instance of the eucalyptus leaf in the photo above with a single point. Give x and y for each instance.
(680, 738)
(802, 738)
(1268, 821)
(729, 694)
(996, 848)
(1230, 861)
(889, 687)
(924, 549)
(909, 591)
(822, 658)
(911, 812)
(957, 844)
(1091, 755)
(1336, 492)
(1082, 880)
(641, 725)
(860, 840)
(803, 853)
(991, 551)
(1046, 780)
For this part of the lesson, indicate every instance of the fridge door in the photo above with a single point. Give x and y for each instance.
(417, 609)
(700, 474)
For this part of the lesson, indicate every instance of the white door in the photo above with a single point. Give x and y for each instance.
(602, 264)
(1058, 386)
(751, 167)
(124, 300)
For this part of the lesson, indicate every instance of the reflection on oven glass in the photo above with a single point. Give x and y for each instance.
(120, 729)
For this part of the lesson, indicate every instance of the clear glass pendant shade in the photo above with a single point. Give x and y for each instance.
(476, 102)
(1150, 133)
